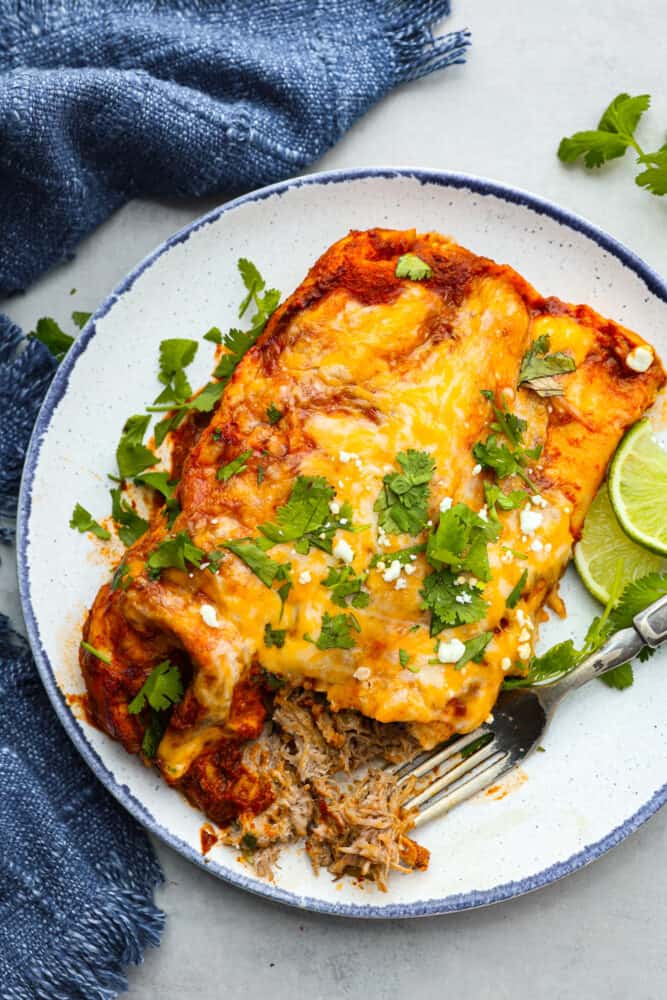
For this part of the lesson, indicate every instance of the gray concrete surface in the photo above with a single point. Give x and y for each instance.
(537, 70)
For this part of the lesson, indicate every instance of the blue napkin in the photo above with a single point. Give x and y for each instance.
(105, 100)
(76, 872)
(101, 101)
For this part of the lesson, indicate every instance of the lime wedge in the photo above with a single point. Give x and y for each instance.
(638, 487)
(603, 544)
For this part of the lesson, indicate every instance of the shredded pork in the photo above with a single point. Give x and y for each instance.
(351, 825)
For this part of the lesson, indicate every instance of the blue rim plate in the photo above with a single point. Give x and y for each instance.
(478, 187)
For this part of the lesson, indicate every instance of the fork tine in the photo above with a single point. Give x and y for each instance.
(426, 762)
(453, 774)
(465, 790)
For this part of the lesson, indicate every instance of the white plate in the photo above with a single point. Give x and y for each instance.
(597, 781)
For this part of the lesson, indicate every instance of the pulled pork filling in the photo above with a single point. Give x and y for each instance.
(351, 825)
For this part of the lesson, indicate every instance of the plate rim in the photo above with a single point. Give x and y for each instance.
(427, 907)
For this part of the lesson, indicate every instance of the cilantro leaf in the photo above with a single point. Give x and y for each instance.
(131, 454)
(256, 559)
(439, 594)
(413, 267)
(119, 579)
(176, 353)
(620, 677)
(460, 541)
(637, 596)
(474, 649)
(274, 415)
(654, 178)
(336, 632)
(495, 497)
(558, 660)
(95, 652)
(54, 339)
(161, 482)
(515, 594)
(344, 584)
(404, 556)
(80, 318)
(506, 460)
(274, 636)
(615, 132)
(174, 553)
(237, 343)
(538, 368)
(234, 467)
(214, 335)
(153, 733)
(83, 521)
(403, 657)
(162, 689)
(130, 525)
(402, 505)
(304, 516)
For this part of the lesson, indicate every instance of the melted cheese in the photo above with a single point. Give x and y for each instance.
(360, 377)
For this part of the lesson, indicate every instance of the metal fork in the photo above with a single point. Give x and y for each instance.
(467, 764)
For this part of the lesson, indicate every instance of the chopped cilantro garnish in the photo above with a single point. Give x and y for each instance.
(265, 568)
(336, 632)
(214, 335)
(344, 584)
(517, 590)
(402, 505)
(120, 580)
(174, 553)
(273, 414)
(248, 843)
(80, 318)
(439, 594)
(95, 652)
(162, 483)
(538, 368)
(403, 657)
(233, 468)
(265, 304)
(54, 339)
(495, 497)
(460, 540)
(506, 459)
(404, 556)
(162, 689)
(474, 649)
(261, 474)
(306, 519)
(131, 454)
(82, 520)
(175, 355)
(274, 636)
(130, 525)
(413, 267)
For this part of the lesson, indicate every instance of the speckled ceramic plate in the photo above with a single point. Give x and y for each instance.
(596, 783)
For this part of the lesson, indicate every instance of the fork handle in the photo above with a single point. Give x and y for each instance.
(619, 649)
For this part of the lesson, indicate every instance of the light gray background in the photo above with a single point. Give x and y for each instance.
(537, 70)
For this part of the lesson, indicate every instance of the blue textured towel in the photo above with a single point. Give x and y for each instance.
(104, 100)
(100, 101)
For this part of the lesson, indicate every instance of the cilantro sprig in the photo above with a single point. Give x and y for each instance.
(402, 505)
(175, 553)
(539, 368)
(132, 455)
(336, 632)
(346, 587)
(82, 520)
(612, 138)
(618, 614)
(306, 518)
(413, 267)
(162, 689)
(233, 468)
(49, 333)
(511, 456)
(130, 525)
